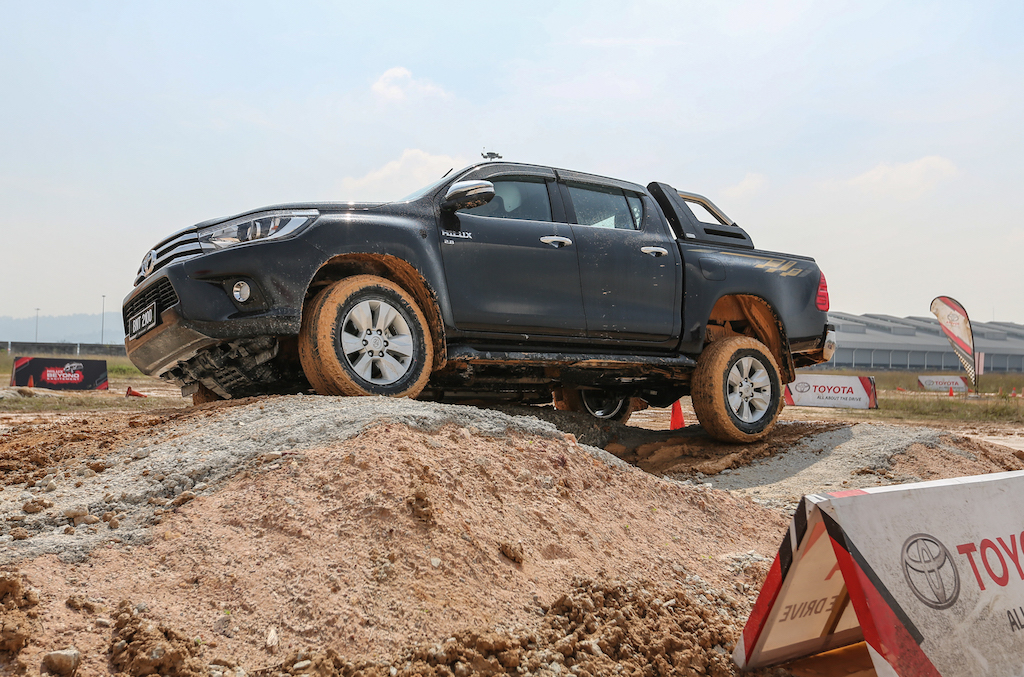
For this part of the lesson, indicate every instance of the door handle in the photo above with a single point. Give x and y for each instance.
(654, 251)
(556, 241)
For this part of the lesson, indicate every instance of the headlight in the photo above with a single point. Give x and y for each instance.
(255, 227)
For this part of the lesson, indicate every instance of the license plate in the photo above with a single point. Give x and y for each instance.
(143, 322)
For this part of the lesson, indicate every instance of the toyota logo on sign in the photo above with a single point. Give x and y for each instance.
(930, 571)
(802, 386)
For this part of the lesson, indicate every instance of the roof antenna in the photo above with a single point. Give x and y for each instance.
(489, 155)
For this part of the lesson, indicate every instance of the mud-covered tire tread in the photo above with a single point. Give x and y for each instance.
(708, 385)
(320, 362)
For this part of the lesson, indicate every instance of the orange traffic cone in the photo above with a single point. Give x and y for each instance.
(30, 383)
(134, 393)
(677, 421)
(951, 391)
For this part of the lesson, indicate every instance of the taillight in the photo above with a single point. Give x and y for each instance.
(822, 299)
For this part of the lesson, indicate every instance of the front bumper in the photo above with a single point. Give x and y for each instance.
(195, 309)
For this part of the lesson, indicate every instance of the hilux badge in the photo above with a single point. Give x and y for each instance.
(462, 234)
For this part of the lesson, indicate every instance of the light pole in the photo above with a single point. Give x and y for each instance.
(103, 316)
(37, 326)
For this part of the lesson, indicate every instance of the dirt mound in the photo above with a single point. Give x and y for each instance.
(393, 538)
(954, 456)
(19, 620)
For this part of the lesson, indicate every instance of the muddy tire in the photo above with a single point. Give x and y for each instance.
(204, 395)
(365, 335)
(597, 403)
(736, 390)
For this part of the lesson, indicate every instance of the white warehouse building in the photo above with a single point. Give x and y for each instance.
(917, 343)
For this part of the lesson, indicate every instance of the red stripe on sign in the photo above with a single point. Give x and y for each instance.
(762, 607)
(881, 627)
(788, 396)
(21, 362)
(103, 386)
(868, 383)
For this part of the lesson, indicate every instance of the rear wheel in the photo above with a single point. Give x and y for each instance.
(736, 390)
(365, 335)
(600, 404)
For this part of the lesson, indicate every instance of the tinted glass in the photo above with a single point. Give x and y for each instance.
(516, 199)
(601, 207)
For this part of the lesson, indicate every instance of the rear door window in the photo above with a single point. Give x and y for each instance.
(605, 207)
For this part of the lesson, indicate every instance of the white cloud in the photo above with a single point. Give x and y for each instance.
(908, 180)
(412, 171)
(398, 84)
(750, 185)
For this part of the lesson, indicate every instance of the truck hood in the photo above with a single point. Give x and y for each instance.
(319, 206)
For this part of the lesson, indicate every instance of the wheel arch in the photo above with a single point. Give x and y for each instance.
(396, 270)
(754, 316)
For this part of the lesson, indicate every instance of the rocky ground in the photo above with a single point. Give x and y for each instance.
(345, 536)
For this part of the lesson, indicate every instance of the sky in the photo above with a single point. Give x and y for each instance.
(881, 138)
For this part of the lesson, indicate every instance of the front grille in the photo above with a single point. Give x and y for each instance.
(178, 247)
(162, 292)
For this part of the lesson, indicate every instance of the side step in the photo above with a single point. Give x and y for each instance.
(573, 360)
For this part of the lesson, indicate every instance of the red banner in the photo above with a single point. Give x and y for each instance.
(59, 374)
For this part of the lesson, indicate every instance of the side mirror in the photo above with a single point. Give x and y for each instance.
(466, 195)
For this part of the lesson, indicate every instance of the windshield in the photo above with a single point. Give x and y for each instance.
(423, 191)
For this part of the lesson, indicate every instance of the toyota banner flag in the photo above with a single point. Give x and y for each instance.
(957, 328)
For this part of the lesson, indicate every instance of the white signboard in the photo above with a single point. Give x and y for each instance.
(849, 392)
(943, 383)
(926, 579)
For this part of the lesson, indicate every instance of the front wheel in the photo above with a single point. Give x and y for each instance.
(365, 335)
(736, 390)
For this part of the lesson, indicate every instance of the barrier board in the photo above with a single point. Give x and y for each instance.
(822, 390)
(943, 383)
(926, 579)
(59, 374)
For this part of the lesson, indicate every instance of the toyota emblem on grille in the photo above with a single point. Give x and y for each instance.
(930, 571)
(148, 262)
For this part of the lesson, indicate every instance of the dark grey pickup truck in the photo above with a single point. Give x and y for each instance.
(500, 282)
